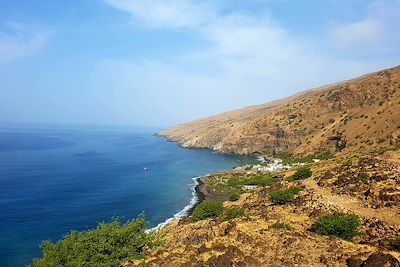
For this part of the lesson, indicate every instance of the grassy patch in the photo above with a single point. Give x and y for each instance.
(207, 210)
(280, 226)
(284, 196)
(301, 174)
(232, 214)
(344, 226)
(107, 245)
(232, 185)
(260, 180)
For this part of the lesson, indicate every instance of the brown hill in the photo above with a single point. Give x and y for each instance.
(359, 115)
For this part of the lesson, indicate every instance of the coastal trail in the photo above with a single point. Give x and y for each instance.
(350, 203)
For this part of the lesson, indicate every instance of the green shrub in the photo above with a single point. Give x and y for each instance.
(280, 226)
(341, 225)
(232, 214)
(206, 210)
(234, 196)
(107, 245)
(301, 174)
(284, 196)
(261, 180)
(363, 177)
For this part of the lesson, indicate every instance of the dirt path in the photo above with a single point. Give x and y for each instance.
(347, 202)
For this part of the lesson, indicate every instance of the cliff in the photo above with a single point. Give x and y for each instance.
(356, 115)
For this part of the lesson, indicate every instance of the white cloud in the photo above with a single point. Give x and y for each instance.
(378, 29)
(160, 13)
(361, 33)
(21, 41)
(251, 58)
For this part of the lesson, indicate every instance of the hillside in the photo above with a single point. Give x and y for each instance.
(359, 115)
(268, 233)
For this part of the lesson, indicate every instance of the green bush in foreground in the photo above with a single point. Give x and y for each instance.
(341, 225)
(301, 174)
(234, 196)
(280, 226)
(206, 210)
(232, 214)
(284, 196)
(107, 245)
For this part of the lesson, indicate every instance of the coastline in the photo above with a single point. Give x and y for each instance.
(200, 193)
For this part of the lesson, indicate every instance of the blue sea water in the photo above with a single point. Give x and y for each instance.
(57, 179)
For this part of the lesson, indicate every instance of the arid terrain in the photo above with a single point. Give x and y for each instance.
(357, 122)
(358, 115)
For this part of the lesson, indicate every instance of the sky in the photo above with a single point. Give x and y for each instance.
(160, 63)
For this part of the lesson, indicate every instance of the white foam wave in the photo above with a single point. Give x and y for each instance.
(185, 211)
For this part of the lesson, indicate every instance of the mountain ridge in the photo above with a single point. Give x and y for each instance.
(319, 119)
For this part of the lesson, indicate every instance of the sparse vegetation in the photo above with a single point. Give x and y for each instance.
(232, 214)
(344, 226)
(207, 210)
(280, 226)
(232, 186)
(107, 245)
(301, 174)
(284, 196)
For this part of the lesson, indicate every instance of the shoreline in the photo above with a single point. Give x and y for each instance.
(199, 194)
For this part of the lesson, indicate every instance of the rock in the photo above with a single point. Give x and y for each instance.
(379, 259)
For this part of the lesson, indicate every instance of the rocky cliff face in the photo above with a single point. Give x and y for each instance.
(357, 115)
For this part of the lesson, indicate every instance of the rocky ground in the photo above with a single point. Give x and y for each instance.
(335, 186)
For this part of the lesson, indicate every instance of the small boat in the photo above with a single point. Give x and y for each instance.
(145, 168)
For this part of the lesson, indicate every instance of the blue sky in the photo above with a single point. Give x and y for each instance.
(158, 63)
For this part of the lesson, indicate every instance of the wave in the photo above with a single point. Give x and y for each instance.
(186, 210)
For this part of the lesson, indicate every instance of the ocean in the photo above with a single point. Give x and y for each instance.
(57, 179)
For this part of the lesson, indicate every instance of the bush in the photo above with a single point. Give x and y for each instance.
(261, 180)
(107, 245)
(301, 174)
(232, 214)
(206, 210)
(280, 226)
(363, 177)
(284, 196)
(234, 196)
(341, 225)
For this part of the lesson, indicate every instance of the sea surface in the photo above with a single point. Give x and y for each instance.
(57, 179)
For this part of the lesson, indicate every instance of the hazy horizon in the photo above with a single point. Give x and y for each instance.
(159, 63)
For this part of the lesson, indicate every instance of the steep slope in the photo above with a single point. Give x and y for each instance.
(359, 115)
